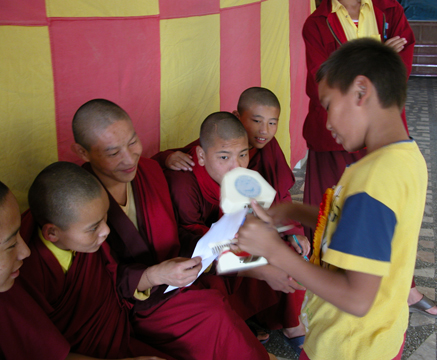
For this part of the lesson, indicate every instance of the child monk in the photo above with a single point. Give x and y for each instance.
(196, 195)
(70, 273)
(144, 235)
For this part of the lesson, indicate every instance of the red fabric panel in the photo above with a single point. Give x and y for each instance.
(115, 59)
(23, 12)
(299, 11)
(176, 9)
(240, 53)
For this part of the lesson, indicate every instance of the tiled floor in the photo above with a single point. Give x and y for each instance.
(421, 110)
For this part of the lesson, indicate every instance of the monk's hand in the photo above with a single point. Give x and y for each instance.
(179, 161)
(277, 279)
(303, 241)
(258, 235)
(178, 271)
(397, 43)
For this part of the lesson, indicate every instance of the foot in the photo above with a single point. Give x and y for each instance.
(294, 331)
(415, 297)
(272, 357)
(262, 336)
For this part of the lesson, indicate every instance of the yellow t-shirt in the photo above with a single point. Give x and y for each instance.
(367, 26)
(373, 228)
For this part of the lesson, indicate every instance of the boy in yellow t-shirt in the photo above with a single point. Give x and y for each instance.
(356, 306)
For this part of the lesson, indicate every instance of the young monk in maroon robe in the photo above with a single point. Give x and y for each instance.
(224, 146)
(70, 273)
(27, 333)
(188, 324)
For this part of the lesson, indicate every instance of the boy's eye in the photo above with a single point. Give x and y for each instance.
(224, 157)
(12, 246)
(133, 142)
(243, 155)
(273, 123)
(113, 154)
(256, 121)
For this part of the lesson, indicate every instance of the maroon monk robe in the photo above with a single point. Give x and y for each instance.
(197, 209)
(27, 332)
(83, 303)
(191, 324)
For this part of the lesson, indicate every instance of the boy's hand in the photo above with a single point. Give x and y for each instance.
(278, 214)
(179, 161)
(397, 43)
(303, 241)
(176, 272)
(258, 235)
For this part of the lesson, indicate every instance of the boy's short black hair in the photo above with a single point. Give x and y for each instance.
(58, 192)
(259, 96)
(222, 125)
(4, 190)
(368, 57)
(96, 113)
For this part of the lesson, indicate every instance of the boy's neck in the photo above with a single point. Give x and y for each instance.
(387, 128)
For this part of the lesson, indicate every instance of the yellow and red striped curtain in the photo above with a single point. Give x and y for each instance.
(168, 63)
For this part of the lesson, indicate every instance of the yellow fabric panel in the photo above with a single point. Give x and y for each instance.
(27, 129)
(231, 3)
(275, 62)
(313, 5)
(101, 8)
(190, 76)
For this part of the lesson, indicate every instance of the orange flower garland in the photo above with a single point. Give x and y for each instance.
(322, 219)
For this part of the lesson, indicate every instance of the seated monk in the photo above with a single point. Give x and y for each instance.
(187, 324)
(27, 333)
(70, 272)
(266, 291)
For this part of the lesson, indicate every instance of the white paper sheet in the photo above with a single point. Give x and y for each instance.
(224, 229)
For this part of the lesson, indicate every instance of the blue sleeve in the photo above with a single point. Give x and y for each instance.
(365, 229)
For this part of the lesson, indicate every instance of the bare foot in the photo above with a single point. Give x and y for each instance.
(262, 335)
(415, 296)
(272, 357)
(295, 331)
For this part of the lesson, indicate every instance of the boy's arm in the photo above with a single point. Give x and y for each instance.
(350, 291)
(282, 213)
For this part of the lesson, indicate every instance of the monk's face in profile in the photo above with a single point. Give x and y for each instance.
(115, 153)
(12, 247)
(223, 156)
(88, 230)
(261, 124)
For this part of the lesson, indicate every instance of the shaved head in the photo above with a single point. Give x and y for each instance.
(94, 115)
(222, 125)
(258, 96)
(59, 191)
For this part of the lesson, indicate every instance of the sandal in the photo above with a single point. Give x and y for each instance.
(296, 343)
(422, 305)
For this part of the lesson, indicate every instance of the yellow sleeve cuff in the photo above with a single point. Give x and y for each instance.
(142, 295)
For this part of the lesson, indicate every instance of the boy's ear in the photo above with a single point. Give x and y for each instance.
(50, 232)
(80, 151)
(200, 155)
(362, 89)
(237, 114)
